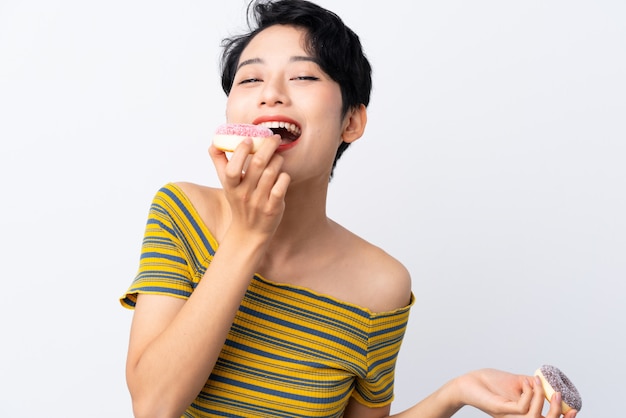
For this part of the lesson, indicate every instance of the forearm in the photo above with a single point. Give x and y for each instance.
(441, 404)
(494, 392)
(170, 370)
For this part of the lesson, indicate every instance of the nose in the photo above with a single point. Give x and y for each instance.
(274, 92)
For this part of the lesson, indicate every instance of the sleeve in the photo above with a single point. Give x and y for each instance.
(376, 388)
(163, 263)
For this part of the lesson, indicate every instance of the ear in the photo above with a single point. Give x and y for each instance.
(354, 124)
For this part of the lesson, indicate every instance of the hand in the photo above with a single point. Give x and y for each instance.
(256, 196)
(505, 395)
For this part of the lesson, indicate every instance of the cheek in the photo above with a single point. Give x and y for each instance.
(333, 102)
(333, 111)
(234, 106)
(229, 113)
(328, 109)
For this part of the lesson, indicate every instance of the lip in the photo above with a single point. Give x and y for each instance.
(274, 118)
(287, 146)
(279, 118)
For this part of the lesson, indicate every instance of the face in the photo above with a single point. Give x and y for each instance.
(278, 84)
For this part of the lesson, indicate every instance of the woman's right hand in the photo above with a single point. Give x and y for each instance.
(254, 184)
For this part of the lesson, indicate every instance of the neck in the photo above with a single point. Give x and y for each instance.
(304, 219)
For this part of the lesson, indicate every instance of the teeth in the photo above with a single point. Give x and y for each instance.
(288, 126)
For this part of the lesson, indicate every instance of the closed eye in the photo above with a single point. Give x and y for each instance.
(250, 80)
(306, 78)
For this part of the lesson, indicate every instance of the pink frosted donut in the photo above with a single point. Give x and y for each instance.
(229, 135)
(554, 380)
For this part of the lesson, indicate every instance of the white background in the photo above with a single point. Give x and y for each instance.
(492, 166)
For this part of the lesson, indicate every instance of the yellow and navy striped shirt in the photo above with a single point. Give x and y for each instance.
(291, 352)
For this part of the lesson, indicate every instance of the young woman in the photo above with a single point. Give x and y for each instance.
(249, 300)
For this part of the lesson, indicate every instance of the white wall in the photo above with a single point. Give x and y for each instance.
(492, 167)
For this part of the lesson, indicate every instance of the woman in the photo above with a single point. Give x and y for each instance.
(249, 300)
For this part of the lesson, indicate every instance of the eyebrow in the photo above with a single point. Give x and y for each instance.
(296, 58)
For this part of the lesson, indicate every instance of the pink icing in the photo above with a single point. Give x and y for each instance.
(560, 383)
(244, 129)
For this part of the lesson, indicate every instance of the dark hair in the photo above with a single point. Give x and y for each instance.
(335, 47)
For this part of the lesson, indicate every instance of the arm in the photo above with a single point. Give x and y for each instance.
(437, 405)
(174, 344)
(498, 394)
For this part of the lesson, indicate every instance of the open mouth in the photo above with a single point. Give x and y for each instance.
(288, 132)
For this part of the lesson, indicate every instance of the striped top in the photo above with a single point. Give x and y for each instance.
(291, 352)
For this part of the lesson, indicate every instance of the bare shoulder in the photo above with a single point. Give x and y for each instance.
(379, 281)
(388, 280)
(210, 204)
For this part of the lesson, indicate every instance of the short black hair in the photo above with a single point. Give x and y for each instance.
(335, 47)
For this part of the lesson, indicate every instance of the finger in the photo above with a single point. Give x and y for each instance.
(241, 153)
(555, 406)
(537, 401)
(257, 164)
(221, 164)
(524, 402)
(279, 190)
(231, 171)
(270, 174)
(268, 148)
(219, 158)
(571, 413)
(521, 405)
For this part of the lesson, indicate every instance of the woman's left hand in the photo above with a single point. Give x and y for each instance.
(505, 395)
